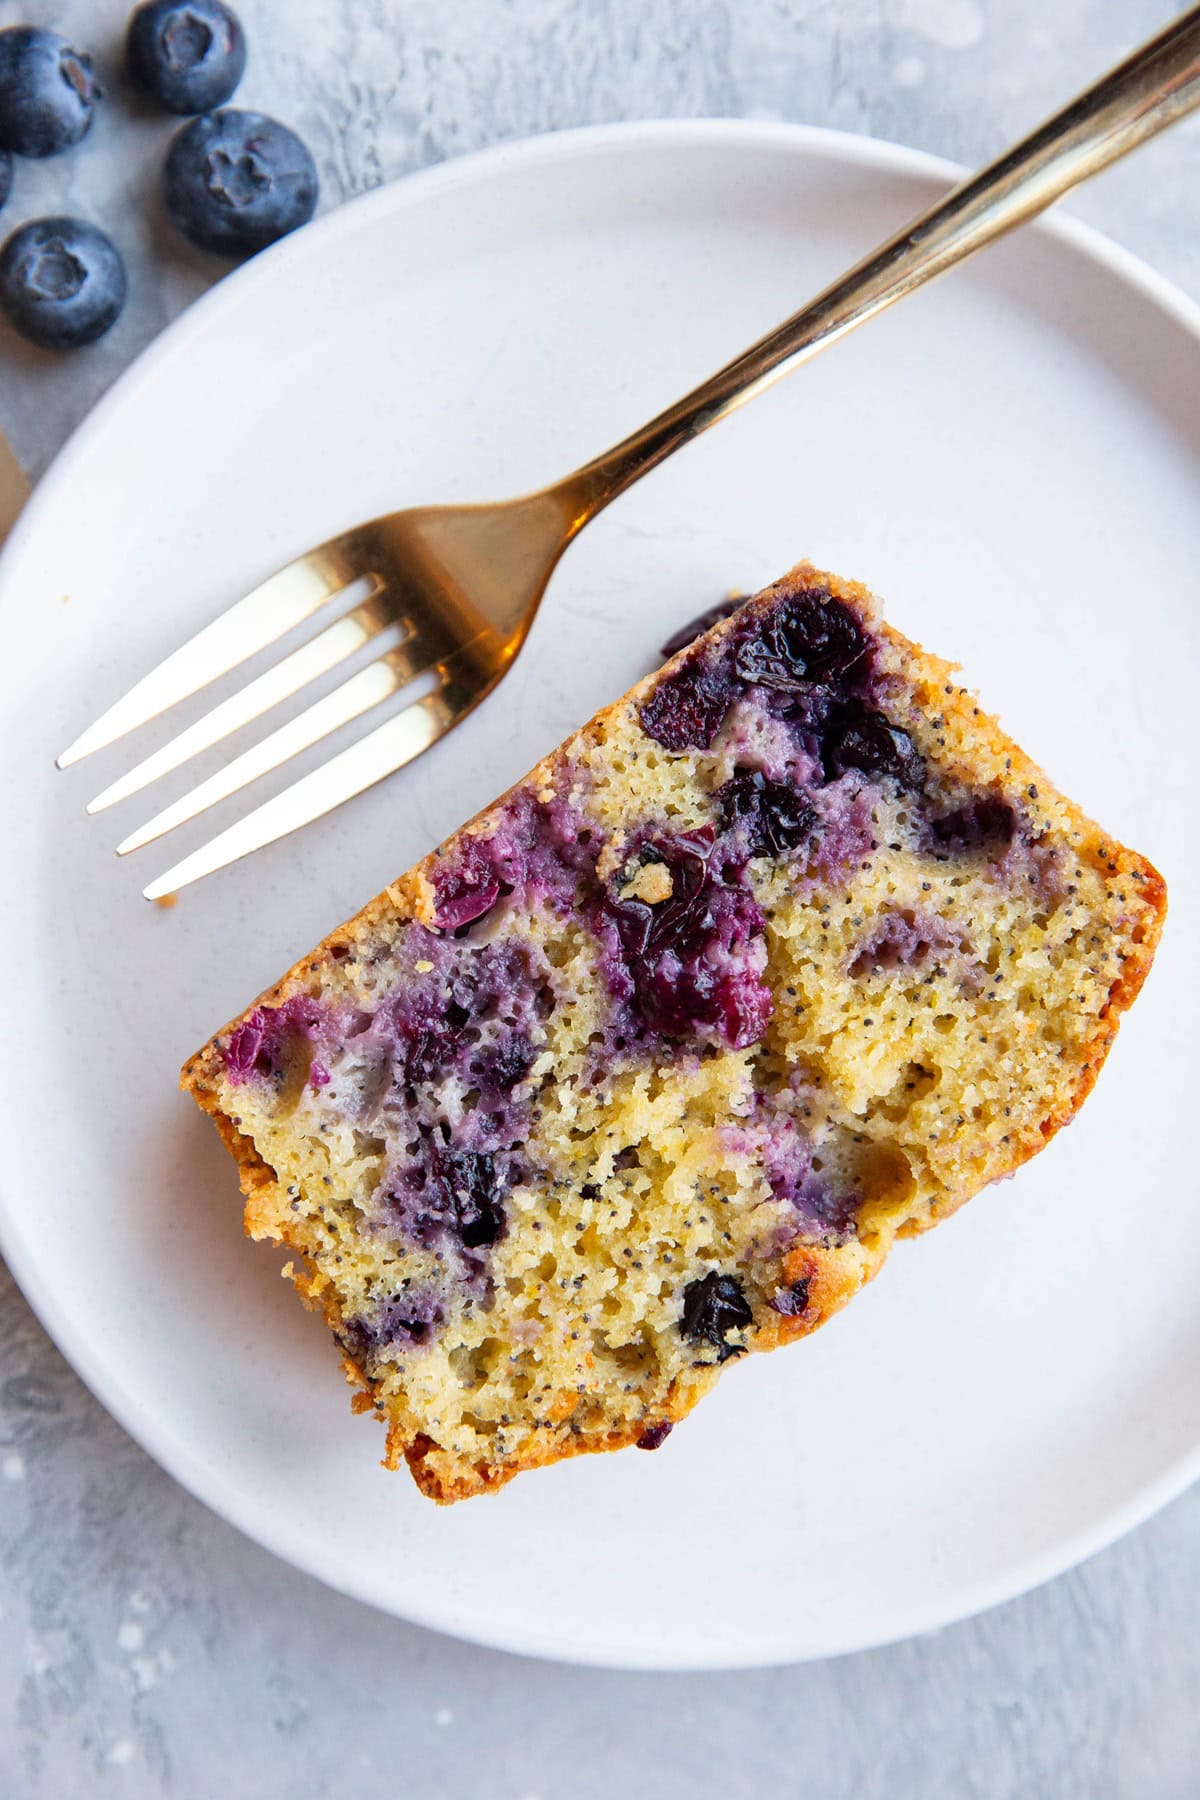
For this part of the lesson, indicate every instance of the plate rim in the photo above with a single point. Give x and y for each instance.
(414, 189)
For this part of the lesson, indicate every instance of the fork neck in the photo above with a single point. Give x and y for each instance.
(1152, 88)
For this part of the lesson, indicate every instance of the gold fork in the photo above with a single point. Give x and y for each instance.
(462, 583)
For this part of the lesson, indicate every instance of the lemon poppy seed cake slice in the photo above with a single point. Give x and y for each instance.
(784, 955)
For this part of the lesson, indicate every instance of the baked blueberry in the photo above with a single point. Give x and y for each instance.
(771, 816)
(467, 889)
(47, 92)
(984, 822)
(189, 55)
(654, 1435)
(690, 959)
(792, 1301)
(62, 282)
(511, 1063)
(860, 738)
(810, 637)
(687, 708)
(713, 615)
(821, 633)
(450, 1196)
(237, 181)
(476, 1205)
(5, 176)
(400, 1323)
(713, 1306)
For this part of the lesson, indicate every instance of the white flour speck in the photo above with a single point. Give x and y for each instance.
(131, 1636)
(140, 1601)
(121, 1753)
(443, 1716)
(14, 1466)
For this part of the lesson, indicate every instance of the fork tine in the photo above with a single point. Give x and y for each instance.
(285, 599)
(278, 683)
(380, 753)
(377, 682)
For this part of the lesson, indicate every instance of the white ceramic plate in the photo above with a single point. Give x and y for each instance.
(1012, 459)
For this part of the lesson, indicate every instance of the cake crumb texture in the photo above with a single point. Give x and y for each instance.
(785, 955)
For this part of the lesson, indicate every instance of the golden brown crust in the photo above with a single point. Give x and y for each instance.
(830, 1281)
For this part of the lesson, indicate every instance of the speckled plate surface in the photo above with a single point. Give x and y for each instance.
(1011, 459)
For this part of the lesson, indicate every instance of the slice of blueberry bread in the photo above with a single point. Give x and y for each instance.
(783, 956)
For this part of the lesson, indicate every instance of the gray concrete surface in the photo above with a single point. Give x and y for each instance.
(145, 1648)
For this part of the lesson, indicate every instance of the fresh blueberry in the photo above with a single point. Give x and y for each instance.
(712, 1307)
(47, 92)
(237, 181)
(62, 282)
(187, 54)
(5, 176)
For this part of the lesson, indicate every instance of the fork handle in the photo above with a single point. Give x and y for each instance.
(1150, 90)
